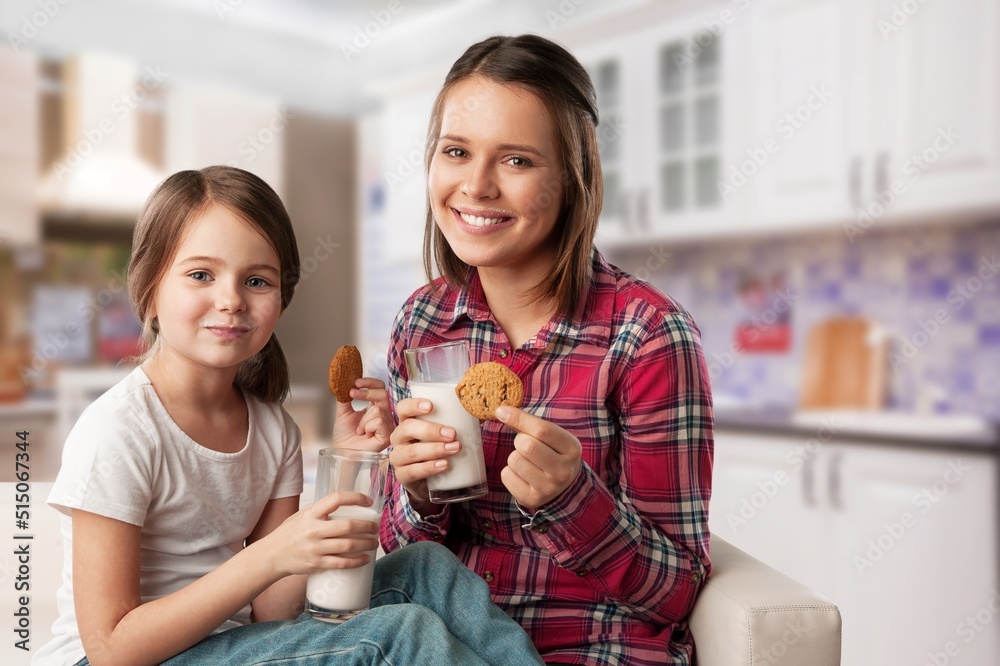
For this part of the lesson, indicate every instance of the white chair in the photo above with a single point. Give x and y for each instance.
(749, 614)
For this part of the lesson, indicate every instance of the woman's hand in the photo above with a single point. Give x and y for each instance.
(419, 448)
(544, 462)
(367, 429)
(307, 542)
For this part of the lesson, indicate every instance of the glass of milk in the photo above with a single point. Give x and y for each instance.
(336, 595)
(433, 373)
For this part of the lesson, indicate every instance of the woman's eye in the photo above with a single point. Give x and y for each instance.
(257, 282)
(199, 276)
(518, 161)
(454, 152)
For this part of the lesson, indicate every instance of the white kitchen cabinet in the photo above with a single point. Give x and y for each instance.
(614, 73)
(794, 114)
(934, 97)
(764, 497)
(206, 125)
(404, 122)
(19, 147)
(915, 552)
(798, 168)
(900, 540)
(908, 124)
(669, 116)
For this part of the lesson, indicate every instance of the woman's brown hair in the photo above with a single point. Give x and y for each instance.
(552, 74)
(172, 206)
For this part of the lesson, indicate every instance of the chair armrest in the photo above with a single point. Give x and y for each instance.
(748, 613)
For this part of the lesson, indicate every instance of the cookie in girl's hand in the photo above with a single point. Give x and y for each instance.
(486, 386)
(345, 369)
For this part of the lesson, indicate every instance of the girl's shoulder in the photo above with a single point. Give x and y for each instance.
(128, 399)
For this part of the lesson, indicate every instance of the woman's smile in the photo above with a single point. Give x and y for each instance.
(482, 221)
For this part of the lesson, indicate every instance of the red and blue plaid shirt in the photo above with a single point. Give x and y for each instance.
(608, 571)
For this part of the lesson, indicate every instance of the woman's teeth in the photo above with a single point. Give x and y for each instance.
(481, 221)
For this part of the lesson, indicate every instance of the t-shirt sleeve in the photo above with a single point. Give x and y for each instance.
(108, 463)
(288, 482)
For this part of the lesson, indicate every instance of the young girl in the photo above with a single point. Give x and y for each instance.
(594, 533)
(180, 485)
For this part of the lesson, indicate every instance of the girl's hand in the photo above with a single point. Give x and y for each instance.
(373, 390)
(544, 462)
(368, 429)
(306, 542)
(419, 448)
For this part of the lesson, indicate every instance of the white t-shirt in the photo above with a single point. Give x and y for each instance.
(126, 459)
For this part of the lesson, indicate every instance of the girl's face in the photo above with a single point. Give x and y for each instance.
(495, 185)
(220, 298)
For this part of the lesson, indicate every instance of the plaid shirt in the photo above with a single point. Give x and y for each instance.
(608, 571)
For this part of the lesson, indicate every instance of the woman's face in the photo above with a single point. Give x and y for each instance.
(495, 182)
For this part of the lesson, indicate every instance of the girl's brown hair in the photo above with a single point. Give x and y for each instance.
(552, 74)
(172, 206)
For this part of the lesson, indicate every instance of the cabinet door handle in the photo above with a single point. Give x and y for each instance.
(882, 173)
(854, 182)
(833, 472)
(642, 208)
(809, 482)
(627, 210)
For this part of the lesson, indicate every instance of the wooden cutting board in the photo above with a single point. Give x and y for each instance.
(844, 366)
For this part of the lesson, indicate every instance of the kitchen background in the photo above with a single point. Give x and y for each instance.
(817, 181)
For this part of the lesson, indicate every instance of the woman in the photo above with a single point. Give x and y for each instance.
(594, 534)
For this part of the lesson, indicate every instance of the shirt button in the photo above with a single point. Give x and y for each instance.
(488, 576)
(487, 525)
(581, 574)
(695, 577)
(540, 529)
(503, 353)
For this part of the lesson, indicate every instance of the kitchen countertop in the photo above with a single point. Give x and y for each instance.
(950, 431)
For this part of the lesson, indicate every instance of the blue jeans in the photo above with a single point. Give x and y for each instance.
(427, 608)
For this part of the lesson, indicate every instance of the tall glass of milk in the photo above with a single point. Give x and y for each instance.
(433, 373)
(336, 595)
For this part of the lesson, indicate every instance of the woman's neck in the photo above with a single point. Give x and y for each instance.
(517, 311)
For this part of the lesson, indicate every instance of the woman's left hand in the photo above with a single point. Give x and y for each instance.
(545, 460)
(368, 429)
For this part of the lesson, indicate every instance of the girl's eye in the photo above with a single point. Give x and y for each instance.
(199, 276)
(257, 282)
(454, 151)
(518, 161)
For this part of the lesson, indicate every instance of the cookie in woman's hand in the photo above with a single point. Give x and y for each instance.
(486, 386)
(345, 369)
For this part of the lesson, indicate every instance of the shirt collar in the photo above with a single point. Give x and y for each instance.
(591, 322)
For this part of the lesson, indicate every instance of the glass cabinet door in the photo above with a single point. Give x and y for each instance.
(607, 74)
(688, 127)
(607, 79)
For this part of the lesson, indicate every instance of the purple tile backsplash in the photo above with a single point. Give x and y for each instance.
(935, 290)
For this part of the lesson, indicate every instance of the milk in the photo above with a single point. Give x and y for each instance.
(468, 466)
(342, 591)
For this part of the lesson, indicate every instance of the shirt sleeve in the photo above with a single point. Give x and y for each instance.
(401, 524)
(288, 482)
(647, 547)
(108, 464)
